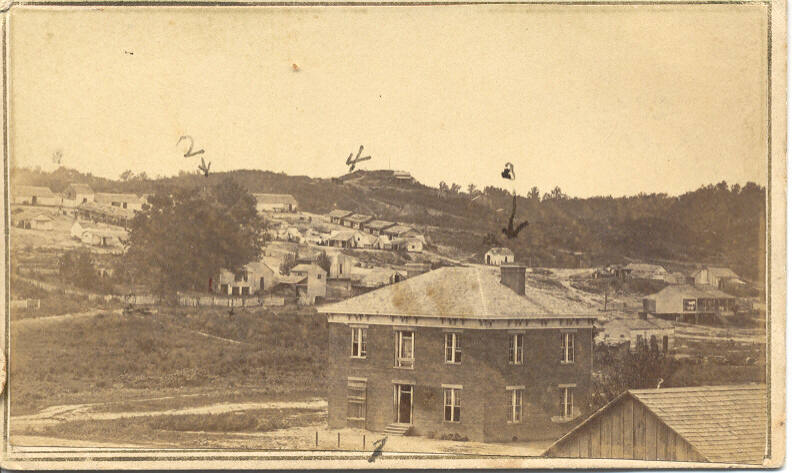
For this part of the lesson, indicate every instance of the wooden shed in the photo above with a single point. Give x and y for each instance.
(725, 424)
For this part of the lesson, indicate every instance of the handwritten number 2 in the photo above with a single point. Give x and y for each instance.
(190, 152)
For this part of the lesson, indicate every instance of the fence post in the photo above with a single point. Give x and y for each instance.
(316, 438)
(363, 441)
(338, 439)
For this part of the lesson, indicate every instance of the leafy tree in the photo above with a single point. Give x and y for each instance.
(555, 194)
(77, 267)
(472, 189)
(288, 262)
(534, 194)
(620, 369)
(455, 188)
(443, 186)
(187, 236)
(126, 175)
(323, 261)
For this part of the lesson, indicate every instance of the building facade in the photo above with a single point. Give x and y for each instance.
(689, 303)
(457, 351)
(498, 256)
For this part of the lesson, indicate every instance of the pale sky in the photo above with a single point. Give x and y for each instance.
(598, 100)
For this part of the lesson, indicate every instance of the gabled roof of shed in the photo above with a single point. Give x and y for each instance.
(725, 424)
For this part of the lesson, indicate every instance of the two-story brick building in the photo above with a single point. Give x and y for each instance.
(458, 350)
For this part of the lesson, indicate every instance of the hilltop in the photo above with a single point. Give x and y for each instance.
(714, 224)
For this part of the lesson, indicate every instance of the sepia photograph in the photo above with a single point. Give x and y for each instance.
(393, 235)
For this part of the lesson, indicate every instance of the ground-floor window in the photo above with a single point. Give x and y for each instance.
(566, 401)
(452, 398)
(515, 404)
(355, 410)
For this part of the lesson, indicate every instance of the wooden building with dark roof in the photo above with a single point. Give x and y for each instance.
(725, 424)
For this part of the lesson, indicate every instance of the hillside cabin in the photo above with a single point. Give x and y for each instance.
(400, 231)
(342, 239)
(310, 282)
(356, 221)
(31, 220)
(78, 194)
(715, 277)
(498, 256)
(105, 213)
(634, 331)
(103, 237)
(33, 195)
(253, 278)
(340, 266)
(336, 216)
(457, 351)
(412, 245)
(275, 203)
(684, 303)
(377, 227)
(720, 424)
(644, 271)
(365, 240)
(123, 201)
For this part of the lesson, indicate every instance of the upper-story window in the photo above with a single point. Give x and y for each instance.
(358, 336)
(405, 349)
(516, 349)
(568, 347)
(453, 348)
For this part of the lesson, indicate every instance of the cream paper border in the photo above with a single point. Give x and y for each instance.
(118, 458)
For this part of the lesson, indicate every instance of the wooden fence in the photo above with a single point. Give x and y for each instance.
(26, 304)
(240, 301)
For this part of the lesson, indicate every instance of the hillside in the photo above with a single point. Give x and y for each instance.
(714, 224)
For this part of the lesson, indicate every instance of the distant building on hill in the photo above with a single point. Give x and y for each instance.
(689, 303)
(356, 221)
(310, 282)
(718, 277)
(79, 193)
(252, 278)
(377, 227)
(275, 203)
(430, 353)
(124, 201)
(646, 271)
(498, 256)
(337, 215)
(33, 195)
(633, 331)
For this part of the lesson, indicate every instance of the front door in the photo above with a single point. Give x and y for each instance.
(403, 394)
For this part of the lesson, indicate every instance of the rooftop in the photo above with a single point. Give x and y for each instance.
(358, 218)
(107, 197)
(81, 188)
(719, 272)
(379, 224)
(274, 199)
(685, 290)
(726, 424)
(399, 229)
(339, 213)
(500, 251)
(457, 292)
(32, 190)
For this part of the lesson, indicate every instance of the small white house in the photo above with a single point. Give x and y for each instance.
(498, 256)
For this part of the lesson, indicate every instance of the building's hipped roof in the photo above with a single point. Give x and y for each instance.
(716, 272)
(399, 229)
(274, 199)
(339, 213)
(501, 251)
(32, 190)
(685, 290)
(379, 224)
(344, 235)
(81, 188)
(645, 267)
(357, 218)
(469, 292)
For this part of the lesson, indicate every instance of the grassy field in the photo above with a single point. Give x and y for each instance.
(111, 357)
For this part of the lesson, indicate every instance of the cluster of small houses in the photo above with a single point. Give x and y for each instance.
(356, 231)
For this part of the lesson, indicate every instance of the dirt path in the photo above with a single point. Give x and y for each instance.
(57, 414)
(63, 317)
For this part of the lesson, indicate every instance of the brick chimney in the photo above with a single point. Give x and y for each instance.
(514, 277)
